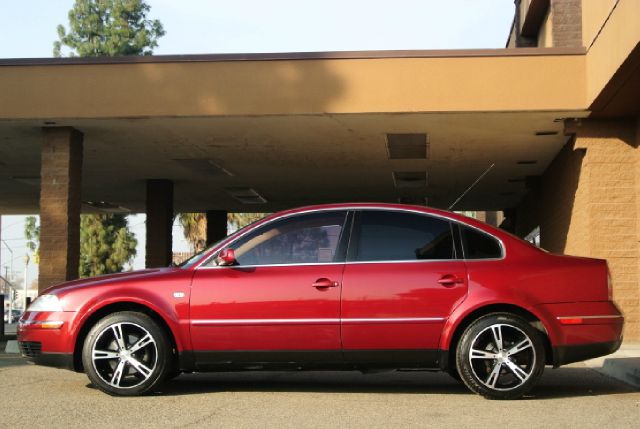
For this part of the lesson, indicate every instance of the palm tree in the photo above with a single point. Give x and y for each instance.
(194, 227)
(239, 220)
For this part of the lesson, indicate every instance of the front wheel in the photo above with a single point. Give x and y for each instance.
(500, 356)
(127, 354)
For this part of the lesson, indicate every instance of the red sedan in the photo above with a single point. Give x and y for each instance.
(336, 287)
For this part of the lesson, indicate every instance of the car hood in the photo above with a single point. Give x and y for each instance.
(104, 279)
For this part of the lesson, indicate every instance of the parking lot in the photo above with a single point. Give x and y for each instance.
(574, 396)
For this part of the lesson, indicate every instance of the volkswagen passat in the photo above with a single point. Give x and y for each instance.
(336, 287)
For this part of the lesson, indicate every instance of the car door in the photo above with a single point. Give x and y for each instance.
(402, 280)
(281, 301)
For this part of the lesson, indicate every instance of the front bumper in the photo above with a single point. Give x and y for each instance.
(32, 351)
(44, 338)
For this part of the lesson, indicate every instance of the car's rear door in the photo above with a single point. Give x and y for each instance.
(402, 278)
(281, 302)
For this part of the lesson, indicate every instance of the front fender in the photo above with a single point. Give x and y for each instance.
(170, 315)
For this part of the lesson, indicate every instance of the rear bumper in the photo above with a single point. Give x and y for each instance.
(563, 355)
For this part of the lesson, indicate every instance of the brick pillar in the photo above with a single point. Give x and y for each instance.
(60, 200)
(587, 203)
(159, 223)
(216, 226)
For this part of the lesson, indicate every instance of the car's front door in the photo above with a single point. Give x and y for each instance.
(280, 302)
(402, 279)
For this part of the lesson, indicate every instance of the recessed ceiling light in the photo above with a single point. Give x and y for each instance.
(27, 180)
(107, 206)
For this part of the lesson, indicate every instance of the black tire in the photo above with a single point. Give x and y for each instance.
(508, 356)
(139, 367)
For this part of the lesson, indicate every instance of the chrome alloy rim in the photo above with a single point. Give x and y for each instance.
(124, 355)
(502, 357)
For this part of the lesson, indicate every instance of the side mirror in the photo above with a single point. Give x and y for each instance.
(226, 257)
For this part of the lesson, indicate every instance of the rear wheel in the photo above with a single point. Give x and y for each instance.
(127, 354)
(500, 356)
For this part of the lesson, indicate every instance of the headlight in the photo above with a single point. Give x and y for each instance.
(46, 303)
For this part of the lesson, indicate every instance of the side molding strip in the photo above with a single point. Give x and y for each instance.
(317, 321)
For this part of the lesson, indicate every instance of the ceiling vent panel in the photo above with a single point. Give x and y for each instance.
(407, 146)
(417, 201)
(410, 179)
(203, 166)
(246, 195)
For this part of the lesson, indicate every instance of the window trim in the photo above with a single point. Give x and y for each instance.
(354, 210)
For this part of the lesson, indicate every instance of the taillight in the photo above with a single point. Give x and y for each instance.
(609, 286)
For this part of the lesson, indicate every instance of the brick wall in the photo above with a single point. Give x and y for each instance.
(587, 204)
(566, 16)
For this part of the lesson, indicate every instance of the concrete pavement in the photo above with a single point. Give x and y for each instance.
(573, 396)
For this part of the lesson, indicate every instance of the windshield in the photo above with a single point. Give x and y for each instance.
(197, 257)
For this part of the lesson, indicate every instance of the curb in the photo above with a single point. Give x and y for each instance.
(623, 369)
(623, 365)
(12, 347)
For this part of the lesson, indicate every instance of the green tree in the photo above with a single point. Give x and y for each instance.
(32, 234)
(109, 28)
(194, 227)
(106, 244)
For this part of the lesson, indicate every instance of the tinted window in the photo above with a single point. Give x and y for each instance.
(479, 245)
(398, 236)
(302, 239)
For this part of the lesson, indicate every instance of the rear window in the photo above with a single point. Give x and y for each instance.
(479, 245)
(400, 236)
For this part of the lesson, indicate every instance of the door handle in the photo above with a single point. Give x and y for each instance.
(324, 283)
(450, 280)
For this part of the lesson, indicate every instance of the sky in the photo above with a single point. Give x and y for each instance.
(28, 30)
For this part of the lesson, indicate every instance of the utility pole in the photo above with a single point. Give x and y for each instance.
(9, 295)
(11, 260)
(26, 282)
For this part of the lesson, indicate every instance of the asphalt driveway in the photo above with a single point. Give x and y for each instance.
(569, 397)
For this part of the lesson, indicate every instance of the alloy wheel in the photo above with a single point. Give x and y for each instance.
(124, 355)
(502, 357)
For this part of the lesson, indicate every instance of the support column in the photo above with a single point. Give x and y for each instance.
(587, 204)
(159, 223)
(216, 226)
(60, 201)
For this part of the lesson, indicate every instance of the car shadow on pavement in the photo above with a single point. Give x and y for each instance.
(555, 383)
(568, 382)
(313, 381)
